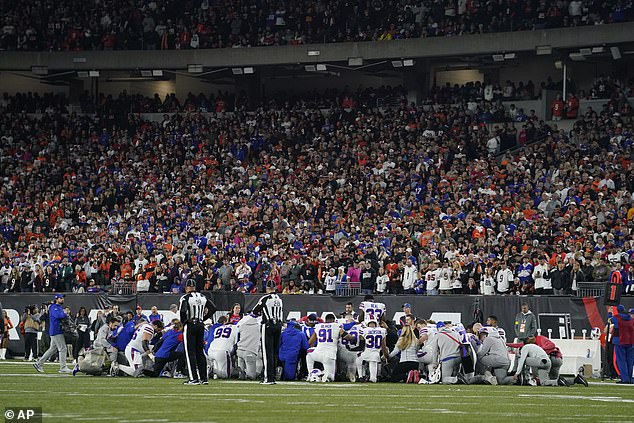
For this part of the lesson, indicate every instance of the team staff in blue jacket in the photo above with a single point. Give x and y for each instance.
(125, 333)
(293, 341)
(58, 343)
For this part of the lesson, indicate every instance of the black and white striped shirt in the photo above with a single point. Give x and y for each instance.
(270, 307)
(192, 306)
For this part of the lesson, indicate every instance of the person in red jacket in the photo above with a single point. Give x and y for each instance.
(556, 360)
(558, 107)
(572, 107)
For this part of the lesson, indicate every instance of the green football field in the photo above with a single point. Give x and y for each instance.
(64, 398)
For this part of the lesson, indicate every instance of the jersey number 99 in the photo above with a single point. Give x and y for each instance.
(222, 332)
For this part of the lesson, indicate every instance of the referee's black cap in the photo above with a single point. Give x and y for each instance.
(190, 282)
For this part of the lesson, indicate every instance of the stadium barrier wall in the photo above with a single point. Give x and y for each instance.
(585, 313)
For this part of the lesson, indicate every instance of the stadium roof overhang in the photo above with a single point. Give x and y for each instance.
(365, 53)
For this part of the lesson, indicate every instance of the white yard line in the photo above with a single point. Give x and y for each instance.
(582, 397)
(610, 384)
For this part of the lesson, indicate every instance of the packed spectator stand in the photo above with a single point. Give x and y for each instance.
(202, 24)
(277, 198)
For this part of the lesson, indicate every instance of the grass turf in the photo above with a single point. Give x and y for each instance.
(65, 398)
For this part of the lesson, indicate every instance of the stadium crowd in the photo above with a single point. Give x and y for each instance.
(399, 200)
(169, 24)
(381, 97)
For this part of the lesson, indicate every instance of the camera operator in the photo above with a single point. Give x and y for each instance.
(83, 329)
(31, 320)
(45, 341)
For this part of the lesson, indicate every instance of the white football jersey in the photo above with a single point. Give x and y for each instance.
(224, 338)
(327, 336)
(446, 274)
(372, 311)
(137, 339)
(430, 330)
(330, 283)
(502, 334)
(354, 332)
(249, 333)
(431, 279)
(373, 337)
(487, 285)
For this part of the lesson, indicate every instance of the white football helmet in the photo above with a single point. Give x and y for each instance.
(596, 333)
(316, 376)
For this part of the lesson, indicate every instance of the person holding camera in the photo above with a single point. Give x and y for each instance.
(6, 326)
(58, 343)
(83, 330)
(31, 321)
(45, 340)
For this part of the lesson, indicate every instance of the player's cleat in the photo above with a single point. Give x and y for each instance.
(75, 369)
(423, 381)
(65, 370)
(38, 367)
(462, 380)
(165, 373)
(580, 380)
(266, 382)
(179, 375)
(561, 381)
(488, 376)
(531, 382)
(191, 382)
(114, 369)
(204, 382)
(520, 380)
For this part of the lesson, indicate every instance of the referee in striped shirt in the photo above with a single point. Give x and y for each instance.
(195, 308)
(270, 307)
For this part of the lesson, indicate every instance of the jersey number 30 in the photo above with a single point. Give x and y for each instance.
(373, 341)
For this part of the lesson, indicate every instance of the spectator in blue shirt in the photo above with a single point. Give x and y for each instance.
(155, 315)
(58, 343)
(139, 317)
